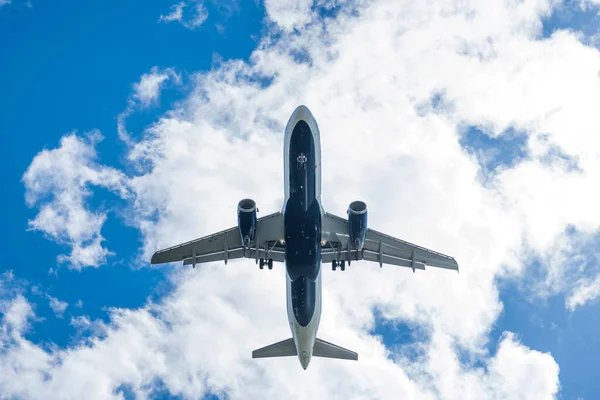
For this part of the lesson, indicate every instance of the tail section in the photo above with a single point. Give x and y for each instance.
(330, 350)
(321, 348)
(285, 348)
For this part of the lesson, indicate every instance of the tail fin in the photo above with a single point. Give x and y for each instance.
(330, 350)
(284, 348)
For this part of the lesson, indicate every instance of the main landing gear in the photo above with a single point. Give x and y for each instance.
(341, 264)
(268, 263)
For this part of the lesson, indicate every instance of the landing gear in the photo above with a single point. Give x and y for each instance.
(341, 264)
(268, 263)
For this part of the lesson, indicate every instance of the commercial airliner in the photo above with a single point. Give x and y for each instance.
(303, 236)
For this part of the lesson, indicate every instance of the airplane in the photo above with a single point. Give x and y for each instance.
(303, 236)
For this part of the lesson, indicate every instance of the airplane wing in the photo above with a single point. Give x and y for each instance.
(378, 247)
(227, 245)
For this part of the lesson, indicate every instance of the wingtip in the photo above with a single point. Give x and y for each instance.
(154, 259)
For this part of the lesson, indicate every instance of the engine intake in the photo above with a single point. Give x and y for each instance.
(357, 221)
(247, 221)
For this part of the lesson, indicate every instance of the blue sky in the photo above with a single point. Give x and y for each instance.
(72, 67)
(71, 71)
(74, 72)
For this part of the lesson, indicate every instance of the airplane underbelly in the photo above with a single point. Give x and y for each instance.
(304, 334)
(302, 229)
(302, 225)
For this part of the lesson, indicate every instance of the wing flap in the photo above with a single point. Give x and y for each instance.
(379, 247)
(277, 256)
(223, 245)
(206, 245)
(371, 256)
(401, 249)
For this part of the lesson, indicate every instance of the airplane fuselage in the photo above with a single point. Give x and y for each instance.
(303, 214)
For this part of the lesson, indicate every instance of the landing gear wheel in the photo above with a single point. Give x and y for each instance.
(333, 265)
(262, 263)
(343, 265)
(270, 263)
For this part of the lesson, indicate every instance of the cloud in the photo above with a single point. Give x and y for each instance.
(520, 373)
(14, 308)
(176, 13)
(289, 14)
(58, 306)
(166, 345)
(145, 93)
(584, 293)
(365, 74)
(58, 182)
(27, 3)
(196, 17)
(147, 90)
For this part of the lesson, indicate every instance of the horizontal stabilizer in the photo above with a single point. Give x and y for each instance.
(330, 350)
(285, 348)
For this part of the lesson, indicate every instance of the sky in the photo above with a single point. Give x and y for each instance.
(468, 127)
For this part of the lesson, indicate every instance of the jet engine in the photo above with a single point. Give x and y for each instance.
(357, 221)
(247, 221)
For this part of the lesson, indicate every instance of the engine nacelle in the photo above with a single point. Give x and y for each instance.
(247, 221)
(357, 221)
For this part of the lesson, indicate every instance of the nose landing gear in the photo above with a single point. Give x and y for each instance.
(268, 263)
(301, 161)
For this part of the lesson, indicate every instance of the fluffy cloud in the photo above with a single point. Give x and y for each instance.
(196, 17)
(147, 90)
(371, 76)
(57, 306)
(586, 291)
(145, 93)
(289, 14)
(172, 344)
(59, 182)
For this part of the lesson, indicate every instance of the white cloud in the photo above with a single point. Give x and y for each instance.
(176, 13)
(145, 93)
(520, 373)
(59, 183)
(147, 90)
(174, 343)
(289, 14)
(584, 293)
(15, 315)
(58, 306)
(4, 2)
(87, 329)
(363, 74)
(196, 17)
